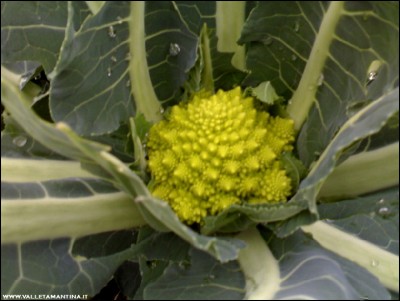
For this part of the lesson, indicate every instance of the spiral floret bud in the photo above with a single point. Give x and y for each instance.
(216, 151)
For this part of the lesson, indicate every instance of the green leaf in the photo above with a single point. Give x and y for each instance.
(371, 223)
(279, 37)
(161, 217)
(309, 55)
(128, 278)
(298, 268)
(384, 265)
(350, 57)
(128, 63)
(150, 271)
(266, 93)
(295, 169)
(169, 246)
(366, 122)
(204, 278)
(25, 70)
(48, 267)
(103, 244)
(34, 31)
(43, 199)
(238, 218)
(362, 170)
(41, 205)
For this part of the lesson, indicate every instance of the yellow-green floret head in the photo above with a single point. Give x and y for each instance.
(218, 150)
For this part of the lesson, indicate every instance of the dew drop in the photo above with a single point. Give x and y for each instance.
(381, 201)
(128, 56)
(297, 26)
(162, 110)
(109, 71)
(111, 32)
(384, 211)
(37, 77)
(119, 19)
(374, 263)
(373, 70)
(320, 79)
(113, 59)
(371, 77)
(293, 57)
(128, 83)
(20, 141)
(268, 41)
(174, 49)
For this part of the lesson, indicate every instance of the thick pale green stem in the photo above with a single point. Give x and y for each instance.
(34, 219)
(259, 266)
(230, 18)
(304, 96)
(142, 87)
(207, 74)
(26, 170)
(363, 173)
(384, 265)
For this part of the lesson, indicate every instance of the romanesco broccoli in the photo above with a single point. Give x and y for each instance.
(216, 151)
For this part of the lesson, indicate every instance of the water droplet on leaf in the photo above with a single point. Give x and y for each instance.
(293, 57)
(20, 141)
(119, 19)
(384, 211)
(161, 110)
(111, 32)
(128, 56)
(109, 71)
(373, 70)
(174, 49)
(371, 77)
(381, 201)
(128, 83)
(113, 59)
